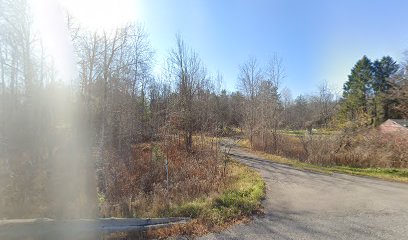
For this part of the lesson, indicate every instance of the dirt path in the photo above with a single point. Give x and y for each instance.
(307, 205)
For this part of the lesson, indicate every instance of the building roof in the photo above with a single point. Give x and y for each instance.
(402, 122)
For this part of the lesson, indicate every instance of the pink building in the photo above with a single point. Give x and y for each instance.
(394, 125)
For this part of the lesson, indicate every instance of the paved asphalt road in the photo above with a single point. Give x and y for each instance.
(307, 205)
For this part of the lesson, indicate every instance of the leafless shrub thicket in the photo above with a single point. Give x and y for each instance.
(368, 148)
(144, 190)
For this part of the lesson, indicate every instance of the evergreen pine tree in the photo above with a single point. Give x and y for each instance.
(357, 90)
(383, 70)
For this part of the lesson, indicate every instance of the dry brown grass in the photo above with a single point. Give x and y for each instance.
(137, 187)
(285, 145)
(194, 228)
(365, 149)
(241, 198)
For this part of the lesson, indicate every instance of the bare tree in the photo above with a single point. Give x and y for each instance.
(398, 96)
(186, 68)
(249, 79)
(270, 99)
(275, 71)
(326, 104)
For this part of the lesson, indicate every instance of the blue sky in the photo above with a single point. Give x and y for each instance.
(318, 40)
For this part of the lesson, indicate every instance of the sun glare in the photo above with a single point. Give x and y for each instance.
(94, 15)
(101, 14)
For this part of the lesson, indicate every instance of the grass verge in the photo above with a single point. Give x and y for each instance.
(392, 174)
(241, 198)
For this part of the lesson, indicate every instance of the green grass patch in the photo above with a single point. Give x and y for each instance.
(244, 143)
(293, 132)
(395, 174)
(320, 131)
(242, 197)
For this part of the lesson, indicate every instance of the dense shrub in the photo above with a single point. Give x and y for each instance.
(137, 187)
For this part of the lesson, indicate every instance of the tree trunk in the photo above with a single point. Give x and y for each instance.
(189, 141)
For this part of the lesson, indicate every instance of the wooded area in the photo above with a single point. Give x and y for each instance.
(108, 135)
